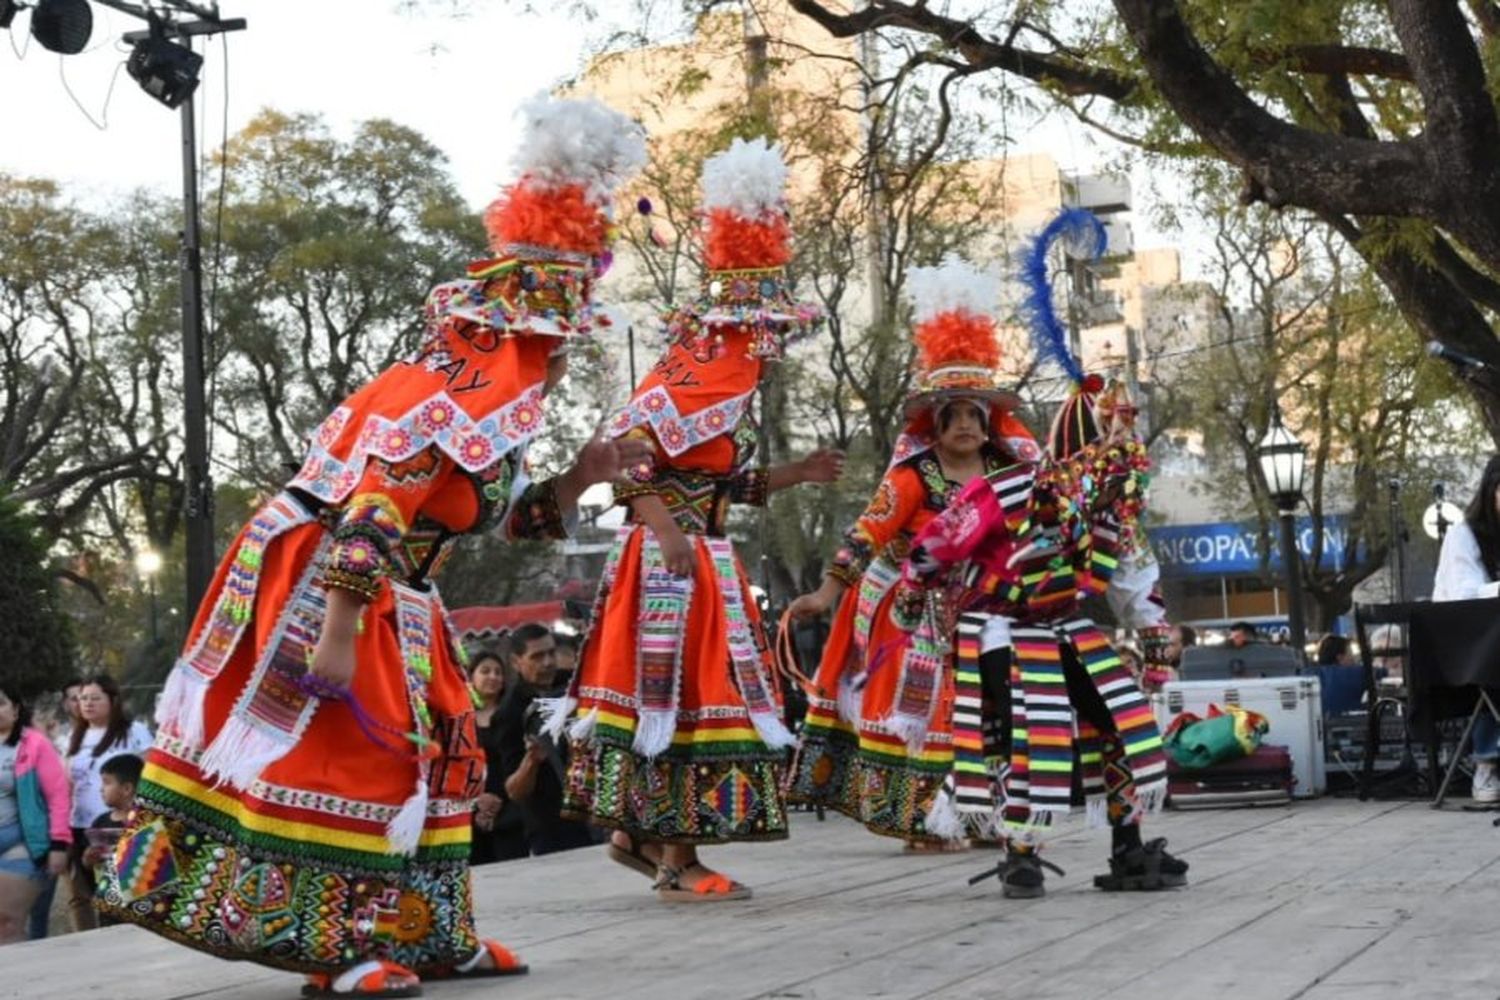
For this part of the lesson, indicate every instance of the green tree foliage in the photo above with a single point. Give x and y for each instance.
(330, 248)
(1306, 326)
(36, 639)
(1378, 119)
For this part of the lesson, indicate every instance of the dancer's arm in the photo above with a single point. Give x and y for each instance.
(825, 465)
(676, 550)
(897, 499)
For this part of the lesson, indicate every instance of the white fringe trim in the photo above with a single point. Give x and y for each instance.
(943, 819)
(555, 712)
(773, 732)
(1152, 797)
(180, 709)
(404, 831)
(654, 730)
(850, 700)
(240, 753)
(582, 729)
(910, 729)
(1096, 811)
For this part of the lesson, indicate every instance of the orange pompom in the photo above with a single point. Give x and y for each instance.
(734, 243)
(958, 337)
(560, 218)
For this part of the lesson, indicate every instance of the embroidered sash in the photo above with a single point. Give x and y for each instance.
(1043, 729)
(746, 655)
(181, 707)
(664, 602)
(272, 710)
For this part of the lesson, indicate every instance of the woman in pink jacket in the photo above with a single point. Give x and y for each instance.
(34, 834)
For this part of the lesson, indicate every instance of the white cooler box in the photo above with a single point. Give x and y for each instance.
(1293, 705)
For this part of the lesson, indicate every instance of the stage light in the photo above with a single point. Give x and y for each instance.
(8, 10)
(165, 70)
(62, 25)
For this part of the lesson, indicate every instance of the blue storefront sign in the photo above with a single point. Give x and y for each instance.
(1227, 549)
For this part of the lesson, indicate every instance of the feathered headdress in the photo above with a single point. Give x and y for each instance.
(1083, 235)
(1096, 455)
(958, 346)
(551, 229)
(958, 350)
(747, 244)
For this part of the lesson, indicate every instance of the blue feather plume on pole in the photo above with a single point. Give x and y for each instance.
(1085, 237)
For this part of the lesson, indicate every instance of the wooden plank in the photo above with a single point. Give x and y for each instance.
(1325, 900)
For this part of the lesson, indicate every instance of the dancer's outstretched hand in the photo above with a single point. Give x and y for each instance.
(826, 465)
(816, 603)
(602, 461)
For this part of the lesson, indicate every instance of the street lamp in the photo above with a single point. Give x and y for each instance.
(148, 564)
(1283, 460)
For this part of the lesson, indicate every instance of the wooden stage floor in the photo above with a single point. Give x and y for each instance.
(1324, 900)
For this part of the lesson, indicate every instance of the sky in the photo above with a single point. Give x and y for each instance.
(456, 79)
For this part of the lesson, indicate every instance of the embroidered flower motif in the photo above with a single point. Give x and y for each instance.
(438, 414)
(476, 451)
(395, 443)
(673, 437)
(655, 402)
(527, 415)
(330, 428)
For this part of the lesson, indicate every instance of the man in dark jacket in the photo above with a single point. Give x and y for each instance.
(534, 767)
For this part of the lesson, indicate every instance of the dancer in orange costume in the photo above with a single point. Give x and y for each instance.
(307, 803)
(677, 728)
(867, 749)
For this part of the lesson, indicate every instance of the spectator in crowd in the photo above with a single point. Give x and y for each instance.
(34, 834)
(1340, 675)
(1242, 634)
(102, 730)
(1469, 568)
(118, 778)
(1150, 678)
(68, 717)
(534, 767)
(499, 830)
(60, 732)
(567, 658)
(1182, 637)
(1335, 650)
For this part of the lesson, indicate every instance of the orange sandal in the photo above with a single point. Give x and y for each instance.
(367, 979)
(716, 888)
(506, 963)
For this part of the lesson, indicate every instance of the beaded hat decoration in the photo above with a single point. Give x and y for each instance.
(551, 229)
(747, 245)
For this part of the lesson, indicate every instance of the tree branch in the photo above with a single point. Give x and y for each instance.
(1068, 75)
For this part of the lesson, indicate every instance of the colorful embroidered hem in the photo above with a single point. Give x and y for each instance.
(675, 799)
(294, 881)
(890, 795)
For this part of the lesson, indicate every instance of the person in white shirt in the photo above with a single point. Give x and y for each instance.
(102, 730)
(1469, 568)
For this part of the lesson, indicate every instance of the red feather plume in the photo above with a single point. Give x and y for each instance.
(957, 338)
(561, 218)
(734, 243)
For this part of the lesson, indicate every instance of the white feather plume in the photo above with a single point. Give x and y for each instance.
(748, 178)
(579, 141)
(953, 285)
